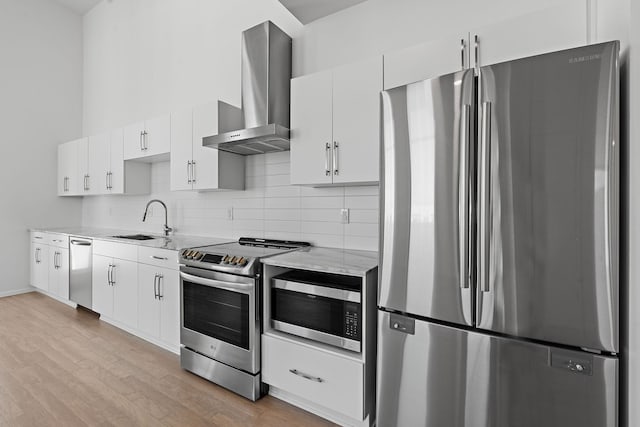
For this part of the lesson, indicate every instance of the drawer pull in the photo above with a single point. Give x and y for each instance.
(306, 376)
(159, 257)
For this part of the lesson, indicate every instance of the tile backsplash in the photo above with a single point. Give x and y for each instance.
(269, 207)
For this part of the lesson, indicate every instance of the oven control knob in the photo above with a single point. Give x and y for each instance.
(233, 260)
(198, 256)
(225, 260)
(242, 261)
(184, 253)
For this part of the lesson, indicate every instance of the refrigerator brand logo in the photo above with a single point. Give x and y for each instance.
(584, 58)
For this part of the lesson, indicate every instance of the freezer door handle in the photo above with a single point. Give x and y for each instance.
(463, 198)
(485, 197)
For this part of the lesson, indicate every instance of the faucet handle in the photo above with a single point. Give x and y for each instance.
(167, 230)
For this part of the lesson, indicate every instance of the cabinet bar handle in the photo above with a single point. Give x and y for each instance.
(110, 180)
(163, 258)
(144, 139)
(326, 159)
(155, 287)
(141, 145)
(160, 294)
(189, 172)
(193, 171)
(306, 376)
(462, 49)
(335, 157)
(106, 180)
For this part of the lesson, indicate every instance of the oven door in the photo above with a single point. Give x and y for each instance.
(218, 317)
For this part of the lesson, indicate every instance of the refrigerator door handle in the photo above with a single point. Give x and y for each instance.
(485, 197)
(463, 198)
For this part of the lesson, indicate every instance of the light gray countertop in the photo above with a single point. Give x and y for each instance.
(330, 260)
(174, 242)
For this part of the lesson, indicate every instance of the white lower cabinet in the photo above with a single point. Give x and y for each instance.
(159, 304)
(115, 286)
(318, 376)
(39, 265)
(59, 272)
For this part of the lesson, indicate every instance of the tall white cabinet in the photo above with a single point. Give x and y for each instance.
(334, 125)
(195, 167)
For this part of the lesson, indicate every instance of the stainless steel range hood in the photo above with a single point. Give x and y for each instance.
(266, 76)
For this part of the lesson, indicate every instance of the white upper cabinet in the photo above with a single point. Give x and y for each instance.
(426, 60)
(312, 129)
(560, 27)
(67, 169)
(125, 177)
(334, 125)
(195, 167)
(99, 164)
(82, 171)
(149, 140)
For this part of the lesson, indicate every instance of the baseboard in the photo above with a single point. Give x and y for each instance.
(320, 411)
(57, 298)
(137, 333)
(17, 292)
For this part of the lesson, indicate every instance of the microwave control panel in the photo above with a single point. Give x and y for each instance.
(352, 321)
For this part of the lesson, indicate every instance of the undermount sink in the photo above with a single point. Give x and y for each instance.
(136, 237)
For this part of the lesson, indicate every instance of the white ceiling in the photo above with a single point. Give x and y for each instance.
(309, 10)
(79, 6)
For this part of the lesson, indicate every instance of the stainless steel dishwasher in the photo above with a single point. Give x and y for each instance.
(81, 264)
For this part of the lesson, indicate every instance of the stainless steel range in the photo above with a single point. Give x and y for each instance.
(220, 293)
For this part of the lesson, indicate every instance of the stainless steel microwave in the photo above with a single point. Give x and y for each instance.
(318, 306)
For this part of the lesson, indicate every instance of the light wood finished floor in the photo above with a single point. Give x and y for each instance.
(64, 367)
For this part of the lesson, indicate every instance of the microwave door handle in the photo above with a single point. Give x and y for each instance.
(230, 286)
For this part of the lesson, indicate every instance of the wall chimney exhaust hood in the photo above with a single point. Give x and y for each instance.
(266, 77)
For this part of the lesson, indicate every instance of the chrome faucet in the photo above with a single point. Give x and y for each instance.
(167, 229)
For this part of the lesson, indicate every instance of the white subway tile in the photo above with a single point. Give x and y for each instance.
(282, 214)
(282, 191)
(277, 169)
(249, 203)
(277, 157)
(325, 215)
(322, 191)
(317, 227)
(362, 243)
(361, 202)
(367, 216)
(362, 190)
(282, 203)
(365, 230)
(288, 226)
(276, 180)
(324, 240)
(322, 202)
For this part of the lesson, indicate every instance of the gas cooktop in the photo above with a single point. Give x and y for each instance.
(239, 257)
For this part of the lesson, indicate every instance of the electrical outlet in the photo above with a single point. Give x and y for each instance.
(344, 216)
(230, 214)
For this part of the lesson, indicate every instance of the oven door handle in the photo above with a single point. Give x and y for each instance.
(230, 286)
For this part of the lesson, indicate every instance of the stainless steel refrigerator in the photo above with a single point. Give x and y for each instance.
(498, 302)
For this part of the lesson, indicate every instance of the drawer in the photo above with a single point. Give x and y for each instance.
(39, 237)
(315, 375)
(159, 257)
(116, 250)
(58, 240)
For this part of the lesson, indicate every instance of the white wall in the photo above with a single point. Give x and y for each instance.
(147, 57)
(40, 106)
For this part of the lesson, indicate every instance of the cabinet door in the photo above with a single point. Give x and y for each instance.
(556, 28)
(101, 287)
(63, 273)
(356, 118)
(311, 129)
(82, 174)
(67, 174)
(157, 139)
(148, 302)
(426, 60)
(125, 292)
(169, 288)
(181, 150)
(53, 270)
(206, 160)
(40, 266)
(116, 161)
(133, 144)
(99, 164)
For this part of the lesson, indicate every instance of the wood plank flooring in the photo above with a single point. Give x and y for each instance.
(64, 367)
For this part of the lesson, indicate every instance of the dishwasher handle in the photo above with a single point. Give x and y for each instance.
(81, 242)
